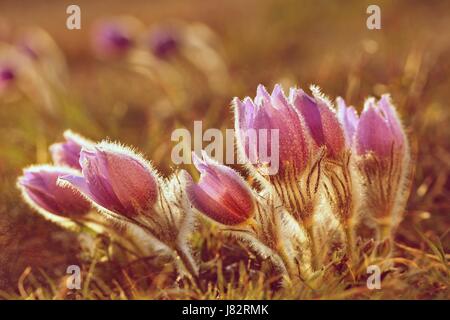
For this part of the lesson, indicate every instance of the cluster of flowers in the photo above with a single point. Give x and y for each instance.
(113, 38)
(116, 37)
(30, 64)
(336, 169)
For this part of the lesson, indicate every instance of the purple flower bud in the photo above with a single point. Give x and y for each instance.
(221, 193)
(271, 112)
(164, 42)
(379, 129)
(68, 153)
(349, 120)
(40, 189)
(114, 38)
(116, 179)
(321, 121)
(7, 77)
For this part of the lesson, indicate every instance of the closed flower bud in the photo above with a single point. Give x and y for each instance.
(384, 163)
(39, 187)
(7, 77)
(321, 121)
(379, 130)
(271, 113)
(114, 38)
(221, 193)
(68, 153)
(116, 179)
(164, 42)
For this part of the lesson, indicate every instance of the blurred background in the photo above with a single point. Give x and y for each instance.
(167, 63)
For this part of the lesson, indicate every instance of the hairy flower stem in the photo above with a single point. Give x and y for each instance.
(313, 246)
(301, 208)
(384, 231)
(176, 251)
(350, 242)
(280, 249)
(188, 264)
(292, 274)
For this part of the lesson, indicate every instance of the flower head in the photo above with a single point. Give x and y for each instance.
(379, 130)
(320, 119)
(164, 42)
(116, 179)
(114, 38)
(68, 153)
(256, 122)
(7, 76)
(39, 187)
(221, 193)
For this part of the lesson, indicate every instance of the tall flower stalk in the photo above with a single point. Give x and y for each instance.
(384, 163)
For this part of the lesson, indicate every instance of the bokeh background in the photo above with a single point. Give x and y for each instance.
(245, 43)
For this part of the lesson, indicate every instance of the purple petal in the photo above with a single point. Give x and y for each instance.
(321, 120)
(308, 108)
(68, 153)
(348, 118)
(393, 120)
(272, 113)
(116, 179)
(221, 194)
(40, 185)
(373, 133)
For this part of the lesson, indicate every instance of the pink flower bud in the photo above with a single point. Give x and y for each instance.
(39, 187)
(221, 193)
(68, 153)
(321, 121)
(116, 179)
(271, 112)
(379, 129)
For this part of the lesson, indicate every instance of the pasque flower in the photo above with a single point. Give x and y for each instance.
(321, 121)
(39, 187)
(7, 76)
(68, 153)
(116, 179)
(379, 130)
(268, 112)
(383, 160)
(307, 126)
(115, 37)
(164, 42)
(221, 193)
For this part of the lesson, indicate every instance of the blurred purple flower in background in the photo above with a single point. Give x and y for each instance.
(7, 76)
(164, 42)
(115, 37)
